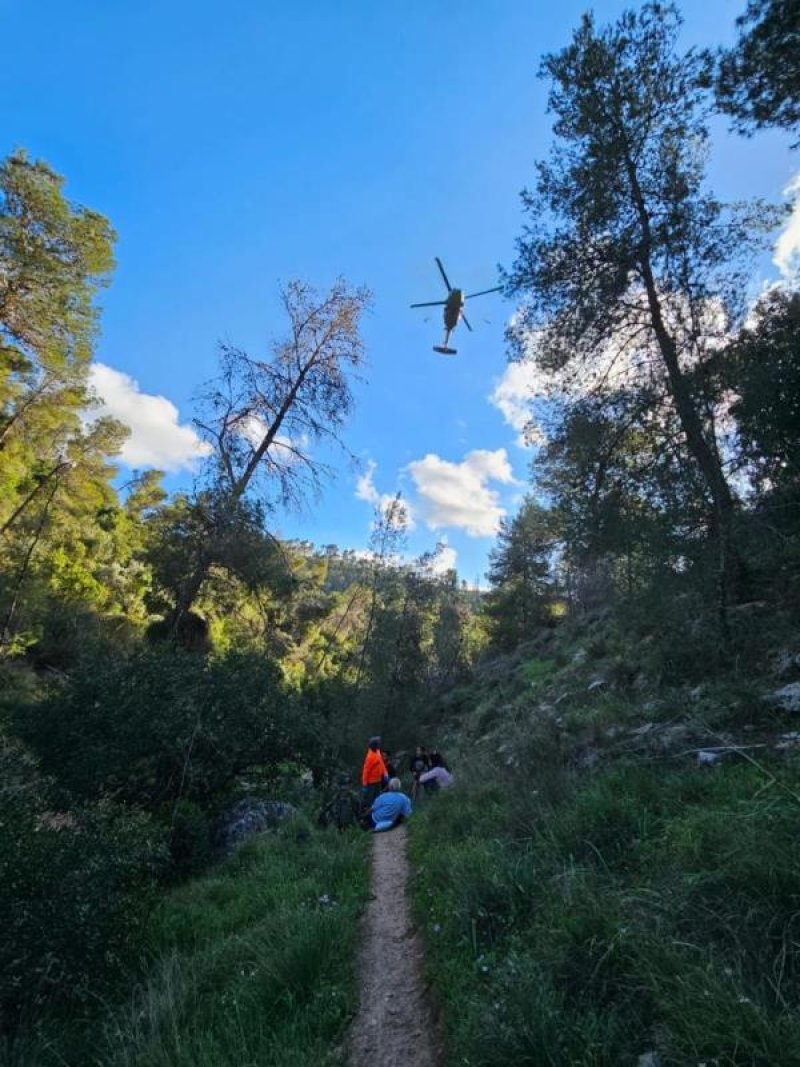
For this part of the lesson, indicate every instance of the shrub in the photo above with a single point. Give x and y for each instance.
(164, 723)
(75, 889)
(189, 839)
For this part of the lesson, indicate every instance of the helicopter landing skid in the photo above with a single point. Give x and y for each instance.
(443, 350)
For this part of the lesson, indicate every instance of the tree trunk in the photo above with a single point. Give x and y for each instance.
(706, 457)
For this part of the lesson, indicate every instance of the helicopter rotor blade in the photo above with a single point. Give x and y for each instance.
(430, 304)
(441, 269)
(483, 292)
(466, 322)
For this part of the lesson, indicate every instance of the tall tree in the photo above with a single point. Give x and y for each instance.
(262, 416)
(762, 368)
(521, 573)
(630, 268)
(54, 256)
(757, 81)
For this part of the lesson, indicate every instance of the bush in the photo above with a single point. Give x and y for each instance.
(641, 908)
(75, 889)
(189, 839)
(164, 723)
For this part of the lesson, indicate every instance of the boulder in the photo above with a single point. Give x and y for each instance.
(786, 663)
(649, 1059)
(707, 758)
(786, 698)
(640, 731)
(248, 817)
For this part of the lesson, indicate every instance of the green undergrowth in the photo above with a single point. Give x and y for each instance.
(589, 920)
(252, 964)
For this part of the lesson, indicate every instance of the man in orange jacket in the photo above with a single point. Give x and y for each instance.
(374, 773)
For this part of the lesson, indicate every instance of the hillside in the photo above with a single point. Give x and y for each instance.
(614, 880)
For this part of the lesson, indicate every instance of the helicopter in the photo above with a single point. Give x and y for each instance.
(453, 309)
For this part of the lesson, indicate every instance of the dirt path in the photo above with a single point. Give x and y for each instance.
(394, 1027)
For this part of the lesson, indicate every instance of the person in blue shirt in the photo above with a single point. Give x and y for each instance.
(390, 808)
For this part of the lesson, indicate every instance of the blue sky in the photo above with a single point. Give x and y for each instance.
(237, 145)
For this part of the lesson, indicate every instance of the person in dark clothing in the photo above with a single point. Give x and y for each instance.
(343, 810)
(391, 770)
(418, 764)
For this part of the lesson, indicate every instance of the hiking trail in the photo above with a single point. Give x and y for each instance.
(394, 1026)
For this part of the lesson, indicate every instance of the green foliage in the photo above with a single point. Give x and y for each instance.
(164, 724)
(535, 671)
(587, 922)
(254, 964)
(521, 574)
(55, 256)
(757, 81)
(75, 890)
(189, 839)
(632, 273)
(762, 367)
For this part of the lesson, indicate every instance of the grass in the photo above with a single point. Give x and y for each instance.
(588, 920)
(253, 964)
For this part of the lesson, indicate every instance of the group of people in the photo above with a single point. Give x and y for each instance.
(384, 804)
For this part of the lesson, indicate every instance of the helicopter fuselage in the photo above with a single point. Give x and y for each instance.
(453, 307)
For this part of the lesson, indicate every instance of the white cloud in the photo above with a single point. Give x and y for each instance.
(787, 248)
(365, 486)
(386, 503)
(513, 395)
(444, 558)
(253, 429)
(456, 494)
(157, 438)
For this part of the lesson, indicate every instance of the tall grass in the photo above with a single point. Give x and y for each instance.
(641, 909)
(253, 964)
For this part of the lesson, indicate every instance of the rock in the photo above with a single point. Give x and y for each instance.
(752, 607)
(708, 759)
(250, 816)
(786, 663)
(596, 684)
(640, 731)
(649, 1059)
(696, 693)
(670, 736)
(786, 698)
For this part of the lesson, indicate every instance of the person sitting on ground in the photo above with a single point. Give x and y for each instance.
(374, 774)
(418, 764)
(439, 776)
(390, 808)
(343, 809)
